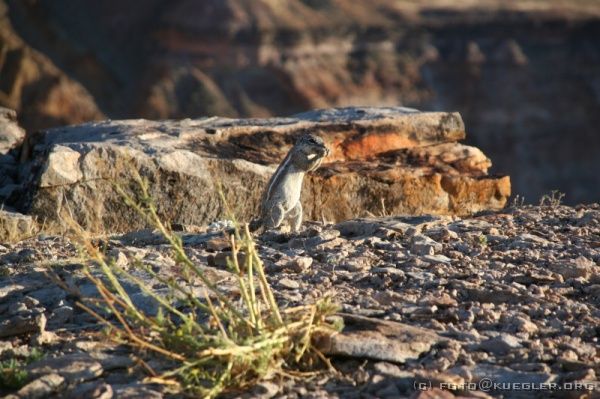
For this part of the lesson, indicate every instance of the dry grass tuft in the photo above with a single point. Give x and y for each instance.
(213, 343)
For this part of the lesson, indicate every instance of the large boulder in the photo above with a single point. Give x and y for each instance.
(383, 161)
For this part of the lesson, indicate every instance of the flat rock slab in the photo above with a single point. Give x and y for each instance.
(20, 324)
(40, 388)
(368, 338)
(383, 160)
(75, 368)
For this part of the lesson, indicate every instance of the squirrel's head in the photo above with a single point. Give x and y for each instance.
(308, 152)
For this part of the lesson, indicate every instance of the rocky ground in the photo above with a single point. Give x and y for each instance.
(503, 297)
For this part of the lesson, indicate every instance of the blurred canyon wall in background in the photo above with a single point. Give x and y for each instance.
(525, 75)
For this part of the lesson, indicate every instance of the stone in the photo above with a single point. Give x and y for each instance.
(356, 228)
(44, 338)
(41, 387)
(15, 226)
(391, 271)
(22, 324)
(356, 264)
(219, 226)
(389, 391)
(368, 159)
(388, 297)
(11, 134)
(75, 368)
(89, 346)
(504, 375)
(50, 295)
(433, 393)
(500, 344)
(31, 302)
(461, 157)
(300, 264)
(60, 316)
(523, 324)
(111, 362)
(423, 245)
(288, 284)
(91, 390)
(265, 390)
(135, 391)
(61, 167)
(5, 346)
(119, 258)
(452, 382)
(146, 303)
(575, 268)
(440, 300)
(364, 337)
(436, 259)
(390, 369)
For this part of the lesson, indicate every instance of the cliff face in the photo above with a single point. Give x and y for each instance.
(32, 84)
(525, 76)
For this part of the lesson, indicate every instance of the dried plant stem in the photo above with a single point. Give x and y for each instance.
(215, 343)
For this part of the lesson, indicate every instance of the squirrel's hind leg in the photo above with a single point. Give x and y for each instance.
(295, 217)
(274, 217)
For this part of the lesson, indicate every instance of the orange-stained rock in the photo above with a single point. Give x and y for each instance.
(390, 134)
(384, 161)
(458, 157)
(396, 192)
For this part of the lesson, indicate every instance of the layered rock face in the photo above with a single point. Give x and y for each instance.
(524, 75)
(383, 161)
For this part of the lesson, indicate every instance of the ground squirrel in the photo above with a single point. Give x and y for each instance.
(281, 198)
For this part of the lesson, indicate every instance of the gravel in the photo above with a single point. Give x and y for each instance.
(513, 296)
